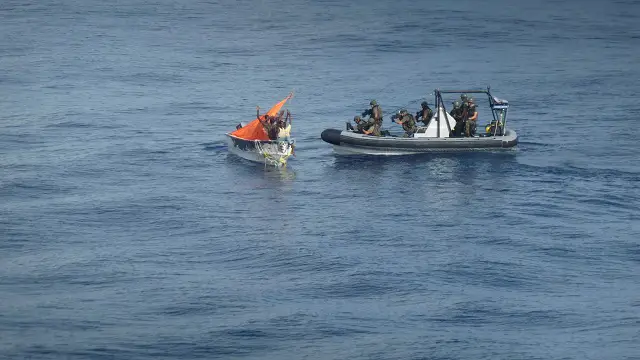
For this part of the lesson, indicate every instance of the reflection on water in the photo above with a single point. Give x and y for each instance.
(450, 160)
(363, 161)
(361, 172)
(245, 168)
(495, 155)
(432, 177)
(286, 174)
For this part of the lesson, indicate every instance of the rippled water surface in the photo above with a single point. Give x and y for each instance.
(127, 231)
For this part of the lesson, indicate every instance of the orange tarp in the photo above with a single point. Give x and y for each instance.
(254, 130)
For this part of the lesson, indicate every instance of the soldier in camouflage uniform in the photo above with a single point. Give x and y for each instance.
(463, 99)
(425, 113)
(464, 112)
(372, 129)
(375, 113)
(407, 121)
(471, 117)
(455, 110)
(360, 125)
(456, 113)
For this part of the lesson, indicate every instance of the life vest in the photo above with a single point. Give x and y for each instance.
(284, 132)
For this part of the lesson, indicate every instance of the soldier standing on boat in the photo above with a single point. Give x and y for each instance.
(456, 110)
(456, 113)
(425, 113)
(463, 99)
(471, 117)
(464, 113)
(375, 113)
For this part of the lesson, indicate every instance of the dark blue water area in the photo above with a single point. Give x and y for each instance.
(127, 230)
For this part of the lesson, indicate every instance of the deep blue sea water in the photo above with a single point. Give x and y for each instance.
(128, 232)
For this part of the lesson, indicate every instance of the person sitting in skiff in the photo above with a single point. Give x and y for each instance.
(280, 116)
(284, 126)
(425, 113)
(269, 123)
(266, 117)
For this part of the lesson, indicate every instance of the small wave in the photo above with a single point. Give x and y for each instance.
(132, 110)
(569, 170)
(149, 76)
(59, 86)
(609, 203)
(159, 152)
(606, 172)
(534, 143)
(71, 125)
(218, 147)
(21, 139)
(196, 105)
(563, 253)
(34, 188)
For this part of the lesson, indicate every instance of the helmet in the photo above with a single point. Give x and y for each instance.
(463, 97)
(373, 102)
(424, 104)
(403, 111)
(356, 118)
(456, 104)
(470, 100)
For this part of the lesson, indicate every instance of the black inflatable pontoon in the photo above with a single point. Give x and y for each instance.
(433, 137)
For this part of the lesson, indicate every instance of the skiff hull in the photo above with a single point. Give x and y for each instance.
(275, 153)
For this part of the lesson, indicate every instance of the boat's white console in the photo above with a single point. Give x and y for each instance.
(421, 132)
(435, 128)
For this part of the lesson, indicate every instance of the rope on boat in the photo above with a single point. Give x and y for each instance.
(276, 157)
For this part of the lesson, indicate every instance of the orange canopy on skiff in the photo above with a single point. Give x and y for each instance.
(254, 130)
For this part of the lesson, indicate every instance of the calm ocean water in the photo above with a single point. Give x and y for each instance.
(127, 231)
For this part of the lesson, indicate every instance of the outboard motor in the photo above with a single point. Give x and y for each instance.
(499, 107)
